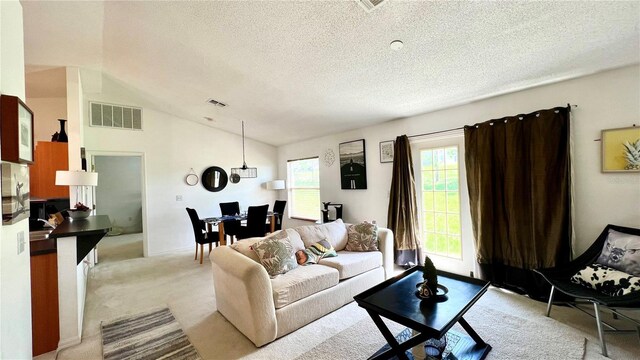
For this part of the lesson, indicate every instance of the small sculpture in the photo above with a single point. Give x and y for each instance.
(430, 275)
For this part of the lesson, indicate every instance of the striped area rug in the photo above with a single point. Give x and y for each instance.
(151, 335)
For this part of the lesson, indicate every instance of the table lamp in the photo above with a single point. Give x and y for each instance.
(79, 179)
(275, 185)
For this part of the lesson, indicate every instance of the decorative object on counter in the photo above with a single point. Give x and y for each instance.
(62, 135)
(244, 171)
(16, 123)
(386, 151)
(353, 165)
(80, 211)
(192, 178)
(329, 157)
(621, 149)
(214, 178)
(15, 193)
(54, 137)
(276, 185)
(79, 179)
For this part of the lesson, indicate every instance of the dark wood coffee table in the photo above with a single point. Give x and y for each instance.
(395, 299)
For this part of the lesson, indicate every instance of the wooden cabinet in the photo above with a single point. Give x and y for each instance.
(45, 328)
(49, 157)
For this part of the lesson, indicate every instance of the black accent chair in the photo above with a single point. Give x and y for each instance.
(231, 227)
(256, 222)
(559, 278)
(201, 234)
(278, 213)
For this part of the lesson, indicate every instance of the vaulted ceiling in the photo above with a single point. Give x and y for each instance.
(296, 70)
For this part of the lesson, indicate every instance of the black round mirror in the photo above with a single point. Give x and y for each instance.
(214, 179)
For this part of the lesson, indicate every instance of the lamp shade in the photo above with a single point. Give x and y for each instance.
(76, 178)
(275, 185)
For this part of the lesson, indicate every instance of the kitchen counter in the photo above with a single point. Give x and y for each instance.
(88, 232)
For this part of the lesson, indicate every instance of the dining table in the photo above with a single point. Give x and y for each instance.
(219, 221)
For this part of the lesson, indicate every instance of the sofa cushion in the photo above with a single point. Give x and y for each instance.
(362, 237)
(276, 255)
(302, 282)
(350, 263)
(335, 232)
(244, 247)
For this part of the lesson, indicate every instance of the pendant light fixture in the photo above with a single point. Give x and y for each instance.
(244, 171)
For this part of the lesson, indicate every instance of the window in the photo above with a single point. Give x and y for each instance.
(303, 177)
(441, 227)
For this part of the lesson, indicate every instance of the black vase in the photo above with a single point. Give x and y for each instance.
(62, 135)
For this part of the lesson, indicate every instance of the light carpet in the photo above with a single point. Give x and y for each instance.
(176, 281)
(510, 337)
(151, 335)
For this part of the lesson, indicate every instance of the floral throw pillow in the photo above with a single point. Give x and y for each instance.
(276, 255)
(606, 280)
(362, 237)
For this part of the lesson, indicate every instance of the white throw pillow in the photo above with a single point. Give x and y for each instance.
(335, 232)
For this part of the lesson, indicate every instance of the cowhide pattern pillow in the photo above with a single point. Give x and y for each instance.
(621, 251)
(607, 280)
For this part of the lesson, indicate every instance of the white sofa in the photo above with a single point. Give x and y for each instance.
(265, 308)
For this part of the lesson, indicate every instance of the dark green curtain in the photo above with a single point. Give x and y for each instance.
(519, 179)
(402, 217)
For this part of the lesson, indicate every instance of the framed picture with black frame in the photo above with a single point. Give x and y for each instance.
(386, 151)
(353, 165)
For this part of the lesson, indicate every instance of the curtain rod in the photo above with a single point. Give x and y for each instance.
(462, 127)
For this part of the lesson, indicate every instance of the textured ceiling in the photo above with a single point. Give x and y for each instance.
(295, 70)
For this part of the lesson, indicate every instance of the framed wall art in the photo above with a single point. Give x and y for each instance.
(17, 130)
(353, 165)
(15, 192)
(621, 150)
(386, 151)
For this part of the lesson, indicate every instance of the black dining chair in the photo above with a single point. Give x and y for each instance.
(201, 235)
(256, 222)
(278, 213)
(231, 227)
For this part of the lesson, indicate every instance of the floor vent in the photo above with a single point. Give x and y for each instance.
(115, 116)
(369, 5)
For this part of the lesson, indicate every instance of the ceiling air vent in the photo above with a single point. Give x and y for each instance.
(369, 5)
(115, 116)
(216, 103)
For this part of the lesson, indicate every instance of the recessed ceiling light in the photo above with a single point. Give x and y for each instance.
(396, 45)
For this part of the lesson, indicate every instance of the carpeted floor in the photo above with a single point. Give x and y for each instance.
(120, 288)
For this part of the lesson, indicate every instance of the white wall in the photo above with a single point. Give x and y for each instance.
(15, 278)
(120, 192)
(46, 112)
(171, 147)
(606, 100)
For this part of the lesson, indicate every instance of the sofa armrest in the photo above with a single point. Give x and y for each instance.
(244, 294)
(385, 245)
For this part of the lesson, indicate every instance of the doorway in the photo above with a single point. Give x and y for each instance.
(443, 200)
(119, 195)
